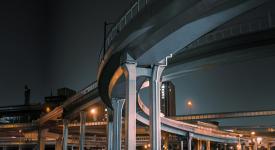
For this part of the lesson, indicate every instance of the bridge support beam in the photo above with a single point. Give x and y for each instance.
(110, 130)
(82, 130)
(155, 128)
(130, 113)
(117, 106)
(65, 134)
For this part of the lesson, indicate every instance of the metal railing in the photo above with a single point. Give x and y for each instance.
(122, 22)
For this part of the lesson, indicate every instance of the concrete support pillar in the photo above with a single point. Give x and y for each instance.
(4, 147)
(199, 145)
(255, 146)
(224, 146)
(243, 147)
(65, 134)
(268, 146)
(181, 145)
(110, 131)
(130, 113)
(189, 142)
(82, 130)
(208, 145)
(41, 139)
(72, 147)
(117, 106)
(58, 144)
(155, 122)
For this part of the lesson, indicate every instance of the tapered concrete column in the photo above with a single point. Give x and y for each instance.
(41, 138)
(65, 134)
(155, 128)
(208, 145)
(189, 143)
(110, 130)
(117, 106)
(82, 130)
(130, 113)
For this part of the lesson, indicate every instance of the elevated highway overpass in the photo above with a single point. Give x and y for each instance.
(138, 47)
(137, 50)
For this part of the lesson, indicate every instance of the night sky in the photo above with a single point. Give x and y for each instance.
(53, 44)
(48, 44)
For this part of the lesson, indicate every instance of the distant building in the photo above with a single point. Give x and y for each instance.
(167, 97)
(53, 101)
(66, 92)
(19, 113)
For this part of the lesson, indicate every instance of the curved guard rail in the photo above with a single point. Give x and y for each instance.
(123, 21)
(203, 132)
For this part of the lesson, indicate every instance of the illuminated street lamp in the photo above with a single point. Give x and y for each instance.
(48, 109)
(93, 111)
(145, 146)
(189, 104)
(253, 133)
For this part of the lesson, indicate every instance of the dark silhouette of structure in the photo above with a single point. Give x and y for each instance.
(167, 95)
(27, 95)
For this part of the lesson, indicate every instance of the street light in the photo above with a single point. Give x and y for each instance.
(253, 133)
(189, 104)
(145, 146)
(93, 111)
(48, 109)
